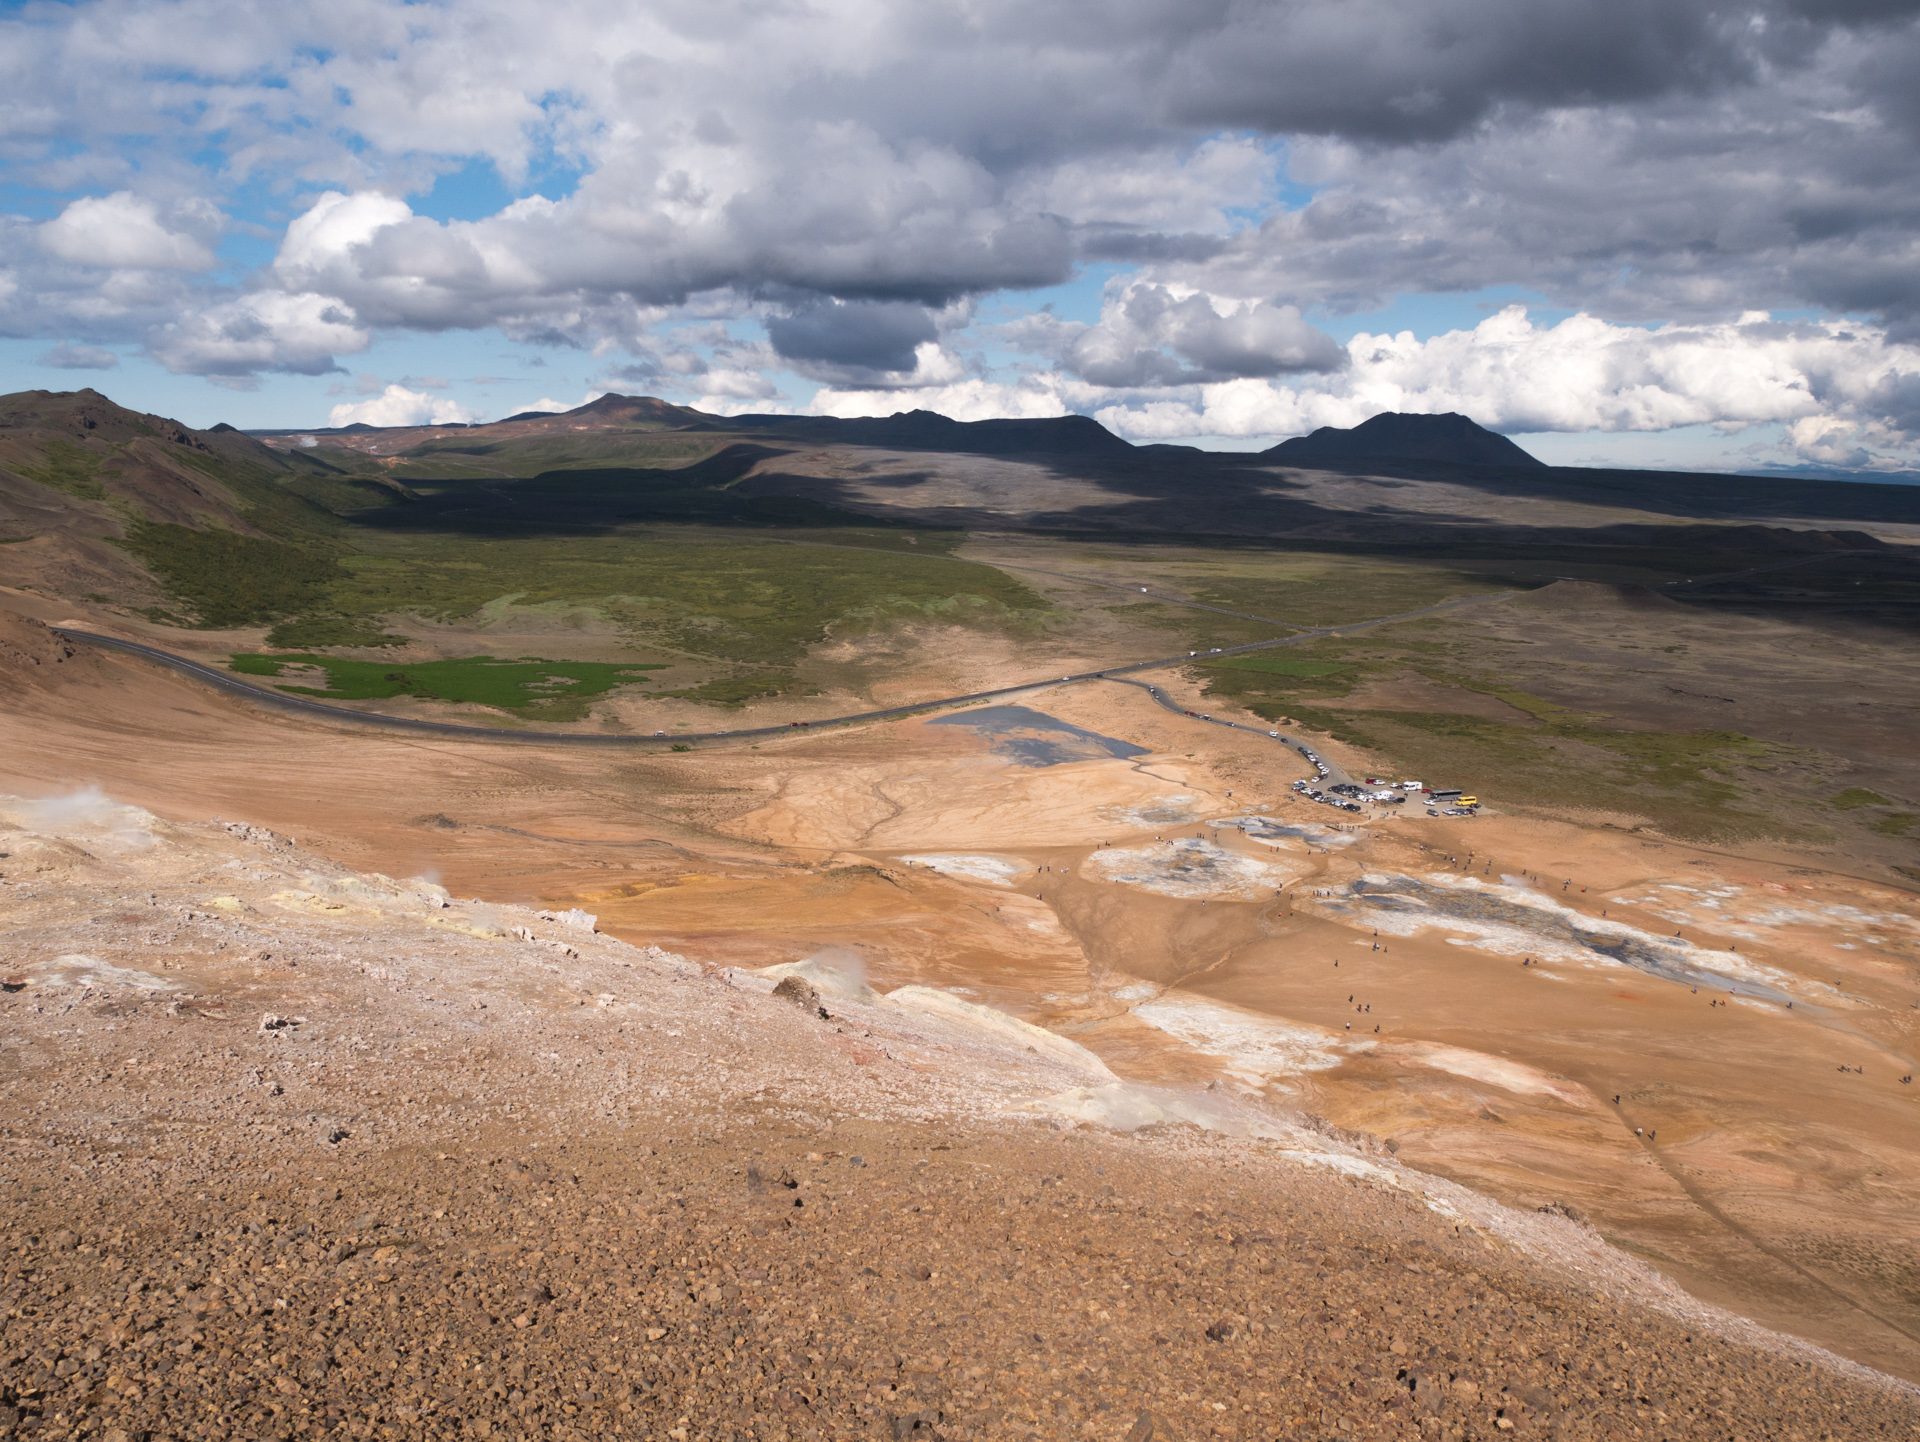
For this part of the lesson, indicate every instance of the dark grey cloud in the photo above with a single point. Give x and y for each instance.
(850, 170)
(1382, 71)
(1684, 210)
(1854, 12)
(1146, 247)
(865, 337)
(1895, 402)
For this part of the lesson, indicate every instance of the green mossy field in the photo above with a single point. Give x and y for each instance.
(1288, 587)
(68, 468)
(460, 458)
(333, 569)
(1689, 784)
(226, 579)
(706, 594)
(1281, 665)
(304, 633)
(529, 687)
(1855, 797)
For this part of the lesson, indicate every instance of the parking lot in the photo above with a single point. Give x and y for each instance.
(1332, 786)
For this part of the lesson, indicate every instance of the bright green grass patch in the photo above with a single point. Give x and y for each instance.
(1283, 683)
(544, 690)
(1857, 796)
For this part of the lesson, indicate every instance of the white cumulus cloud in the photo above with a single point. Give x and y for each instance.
(123, 231)
(263, 330)
(727, 385)
(398, 406)
(1838, 386)
(974, 399)
(1156, 335)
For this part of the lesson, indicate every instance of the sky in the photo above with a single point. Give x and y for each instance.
(1638, 232)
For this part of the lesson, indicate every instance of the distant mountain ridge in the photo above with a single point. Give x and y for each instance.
(903, 431)
(97, 500)
(930, 431)
(1396, 435)
(1389, 436)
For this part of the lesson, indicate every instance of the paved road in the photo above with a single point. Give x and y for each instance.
(300, 705)
(1335, 775)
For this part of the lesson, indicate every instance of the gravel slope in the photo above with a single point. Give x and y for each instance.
(292, 1151)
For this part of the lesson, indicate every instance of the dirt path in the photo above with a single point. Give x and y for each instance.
(1336, 775)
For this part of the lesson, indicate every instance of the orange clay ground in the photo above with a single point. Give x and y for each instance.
(1767, 1157)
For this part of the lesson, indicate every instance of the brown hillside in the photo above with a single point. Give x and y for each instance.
(75, 461)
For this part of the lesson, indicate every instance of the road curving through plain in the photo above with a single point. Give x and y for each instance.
(320, 710)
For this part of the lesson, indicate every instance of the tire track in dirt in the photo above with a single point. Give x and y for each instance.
(1745, 1234)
